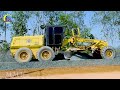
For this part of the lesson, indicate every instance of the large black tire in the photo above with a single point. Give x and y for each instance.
(105, 50)
(67, 55)
(45, 54)
(23, 55)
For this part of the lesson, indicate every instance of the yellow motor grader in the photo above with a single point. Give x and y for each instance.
(46, 47)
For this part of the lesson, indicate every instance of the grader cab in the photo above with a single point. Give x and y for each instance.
(46, 47)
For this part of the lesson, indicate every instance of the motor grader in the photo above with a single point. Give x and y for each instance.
(53, 42)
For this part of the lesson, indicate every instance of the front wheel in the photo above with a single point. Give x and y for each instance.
(108, 53)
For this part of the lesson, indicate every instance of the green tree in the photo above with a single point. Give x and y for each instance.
(38, 19)
(38, 22)
(73, 20)
(52, 17)
(3, 26)
(86, 34)
(110, 22)
(1, 19)
(66, 21)
(69, 19)
(19, 23)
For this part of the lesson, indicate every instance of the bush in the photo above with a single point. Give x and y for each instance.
(4, 46)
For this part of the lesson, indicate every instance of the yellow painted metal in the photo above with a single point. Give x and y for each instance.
(109, 53)
(76, 38)
(23, 55)
(35, 42)
(31, 42)
(45, 55)
(94, 43)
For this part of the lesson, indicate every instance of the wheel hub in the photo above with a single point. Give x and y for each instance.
(109, 53)
(45, 55)
(23, 55)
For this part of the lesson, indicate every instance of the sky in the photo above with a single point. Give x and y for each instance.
(95, 30)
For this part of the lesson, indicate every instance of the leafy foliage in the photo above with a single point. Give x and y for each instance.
(2, 13)
(3, 26)
(19, 23)
(68, 19)
(86, 34)
(4, 46)
(110, 21)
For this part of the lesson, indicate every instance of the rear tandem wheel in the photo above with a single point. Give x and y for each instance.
(45, 54)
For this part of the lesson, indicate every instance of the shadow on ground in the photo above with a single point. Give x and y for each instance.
(77, 56)
(84, 56)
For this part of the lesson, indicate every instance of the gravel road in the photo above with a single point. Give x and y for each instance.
(7, 63)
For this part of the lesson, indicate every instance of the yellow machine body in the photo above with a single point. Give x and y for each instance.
(31, 42)
(75, 39)
(38, 45)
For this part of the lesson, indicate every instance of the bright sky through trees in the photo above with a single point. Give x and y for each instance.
(95, 30)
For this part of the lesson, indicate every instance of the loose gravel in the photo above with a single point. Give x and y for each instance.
(8, 63)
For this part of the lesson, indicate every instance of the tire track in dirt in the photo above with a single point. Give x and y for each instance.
(21, 74)
(79, 72)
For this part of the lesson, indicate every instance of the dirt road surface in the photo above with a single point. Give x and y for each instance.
(88, 72)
